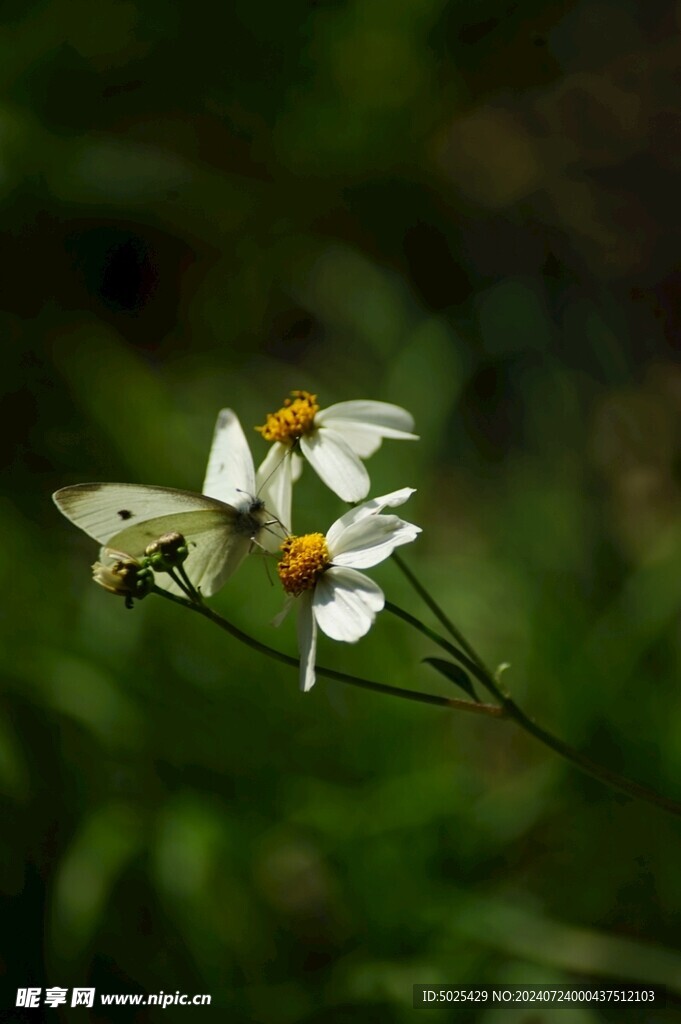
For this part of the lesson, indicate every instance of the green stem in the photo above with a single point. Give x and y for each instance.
(508, 707)
(472, 666)
(181, 581)
(475, 666)
(330, 673)
(192, 592)
(597, 771)
(439, 614)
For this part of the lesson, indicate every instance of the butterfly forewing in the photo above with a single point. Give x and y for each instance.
(230, 475)
(102, 510)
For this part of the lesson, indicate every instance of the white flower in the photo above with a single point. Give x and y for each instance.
(333, 440)
(319, 573)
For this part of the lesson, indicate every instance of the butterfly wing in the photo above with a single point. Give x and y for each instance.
(230, 475)
(104, 510)
(127, 517)
(217, 545)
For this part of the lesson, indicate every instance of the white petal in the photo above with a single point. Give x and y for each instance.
(389, 420)
(334, 461)
(364, 438)
(274, 486)
(364, 441)
(296, 466)
(369, 541)
(230, 476)
(280, 616)
(367, 508)
(307, 641)
(345, 603)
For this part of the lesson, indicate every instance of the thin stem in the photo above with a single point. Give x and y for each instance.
(193, 593)
(597, 771)
(439, 614)
(330, 673)
(180, 579)
(508, 707)
(472, 666)
(513, 711)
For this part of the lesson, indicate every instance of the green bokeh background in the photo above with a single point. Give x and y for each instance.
(467, 209)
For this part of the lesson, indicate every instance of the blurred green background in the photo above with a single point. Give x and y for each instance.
(467, 209)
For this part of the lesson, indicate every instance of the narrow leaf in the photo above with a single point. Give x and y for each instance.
(454, 673)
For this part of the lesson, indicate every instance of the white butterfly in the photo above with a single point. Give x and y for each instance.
(221, 526)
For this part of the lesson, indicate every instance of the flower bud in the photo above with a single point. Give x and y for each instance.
(123, 575)
(166, 553)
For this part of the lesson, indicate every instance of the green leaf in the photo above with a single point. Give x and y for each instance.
(454, 673)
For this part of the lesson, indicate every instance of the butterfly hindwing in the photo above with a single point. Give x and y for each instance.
(216, 540)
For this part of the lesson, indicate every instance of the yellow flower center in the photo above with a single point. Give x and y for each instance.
(303, 561)
(295, 418)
